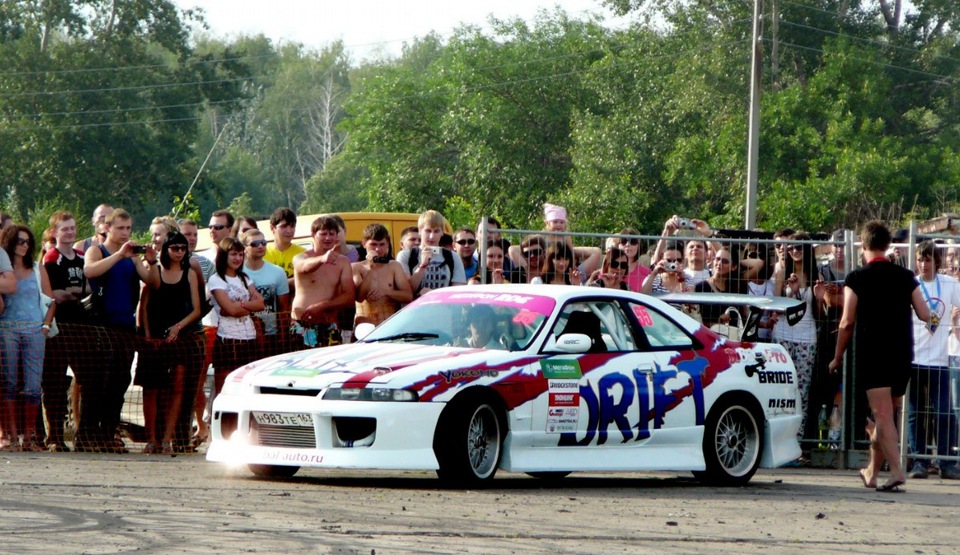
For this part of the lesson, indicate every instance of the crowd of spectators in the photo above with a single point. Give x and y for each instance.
(90, 305)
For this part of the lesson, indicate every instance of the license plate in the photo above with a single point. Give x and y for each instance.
(283, 419)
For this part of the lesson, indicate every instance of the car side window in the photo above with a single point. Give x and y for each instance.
(660, 330)
(602, 321)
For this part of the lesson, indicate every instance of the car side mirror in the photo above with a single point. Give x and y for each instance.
(362, 330)
(573, 343)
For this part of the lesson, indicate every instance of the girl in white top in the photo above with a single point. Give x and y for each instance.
(236, 299)
(795, 279)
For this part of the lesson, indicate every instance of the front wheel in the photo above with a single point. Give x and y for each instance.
(732, 443)
(469, 442)
(272, 470)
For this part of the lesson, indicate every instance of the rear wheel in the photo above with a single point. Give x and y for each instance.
(732, 442)
(469, 442)
(272, 470)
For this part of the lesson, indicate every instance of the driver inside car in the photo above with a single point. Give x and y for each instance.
(483, 329)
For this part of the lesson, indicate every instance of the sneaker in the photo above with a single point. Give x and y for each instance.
(951, 472)
(918, 471)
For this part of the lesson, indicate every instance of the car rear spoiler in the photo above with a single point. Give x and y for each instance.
(793, 309)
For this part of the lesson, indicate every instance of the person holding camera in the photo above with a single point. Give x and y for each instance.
(430, 266)
(114, 269)
(382, 287)
(667, 275)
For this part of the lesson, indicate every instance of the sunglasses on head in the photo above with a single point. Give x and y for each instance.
(218, 227)
(465, 242)
(177, 248)
(257, 243)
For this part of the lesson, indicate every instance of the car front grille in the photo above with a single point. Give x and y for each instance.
(297, 437)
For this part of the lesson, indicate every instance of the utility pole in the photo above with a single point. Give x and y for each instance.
(753, 134)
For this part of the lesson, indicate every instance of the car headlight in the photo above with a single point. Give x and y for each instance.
(231, 387)
(370, 394)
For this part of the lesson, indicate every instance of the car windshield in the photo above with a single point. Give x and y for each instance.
(483, 320)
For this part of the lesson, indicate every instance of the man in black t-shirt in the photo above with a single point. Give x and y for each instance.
(876, 303)
(64, 266)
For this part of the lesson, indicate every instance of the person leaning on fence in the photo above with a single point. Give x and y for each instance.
(725, 279)
(930, 386)
(496, 274)
(237, 300)
(877, 301)
(637, 271)
(559, 267)
(64, 267)
(796, 279)
(171, 311)
(24, 326)
(610, 275)
(114, 271)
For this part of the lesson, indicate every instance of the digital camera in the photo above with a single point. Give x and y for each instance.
(685, 223)
(672, 267)
(139, 249)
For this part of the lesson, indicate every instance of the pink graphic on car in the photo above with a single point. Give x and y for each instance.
(533, 303)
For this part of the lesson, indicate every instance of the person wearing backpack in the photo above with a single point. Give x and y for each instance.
(430, 266)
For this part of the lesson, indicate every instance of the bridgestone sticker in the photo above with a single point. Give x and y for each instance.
(563, 406)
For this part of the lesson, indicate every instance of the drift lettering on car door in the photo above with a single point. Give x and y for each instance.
(632, 403)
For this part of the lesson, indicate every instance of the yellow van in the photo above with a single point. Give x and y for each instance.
(395, 222)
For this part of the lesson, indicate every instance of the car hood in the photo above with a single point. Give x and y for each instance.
(359, 364)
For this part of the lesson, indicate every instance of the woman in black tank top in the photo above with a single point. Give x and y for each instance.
(172, 310)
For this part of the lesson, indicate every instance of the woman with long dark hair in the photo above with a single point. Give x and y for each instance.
(795, 278)
(172, 309)
(725, 279)
(236, 300)
(559, 267)
(24, 327)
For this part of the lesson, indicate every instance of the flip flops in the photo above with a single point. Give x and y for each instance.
(892, 487)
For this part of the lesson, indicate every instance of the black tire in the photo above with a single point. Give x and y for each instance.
(272, 470)
(732, 442)
(469, 442)
(552, 475)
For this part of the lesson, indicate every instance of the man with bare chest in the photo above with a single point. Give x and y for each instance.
(324, 284)
(381, 284)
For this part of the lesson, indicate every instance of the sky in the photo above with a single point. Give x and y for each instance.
(369, 28)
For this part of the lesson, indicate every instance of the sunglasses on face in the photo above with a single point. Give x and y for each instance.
(533, 252)
(629, 241)
(795, 247)
(22, 240)
(218, 227)
(618, 264)
(257, 243)
(465, 242)
(177, 248)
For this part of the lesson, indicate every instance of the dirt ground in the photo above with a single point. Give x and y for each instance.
(83, 503)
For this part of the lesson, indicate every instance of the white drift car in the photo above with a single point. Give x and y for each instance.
(545, 380)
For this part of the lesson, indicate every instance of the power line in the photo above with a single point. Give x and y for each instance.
(133, 109)
(872, 62)
(467, 90)
(128, 88)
